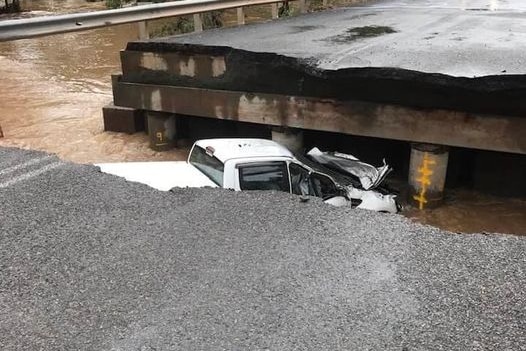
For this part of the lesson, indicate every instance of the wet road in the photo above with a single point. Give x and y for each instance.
(92, 262)
(456, 38)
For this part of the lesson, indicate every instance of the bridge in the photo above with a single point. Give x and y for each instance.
(441, 75)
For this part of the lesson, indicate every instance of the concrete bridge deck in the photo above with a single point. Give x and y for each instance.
(447, 73)
(420, 35)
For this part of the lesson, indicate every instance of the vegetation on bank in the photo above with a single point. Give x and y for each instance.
(185, 24)
(218, 19)
(10, 6)
(114, 4)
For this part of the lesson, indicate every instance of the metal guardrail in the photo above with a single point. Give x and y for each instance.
(48, 25)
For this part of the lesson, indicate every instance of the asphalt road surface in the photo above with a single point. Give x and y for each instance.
(461, 38)
(89, 261)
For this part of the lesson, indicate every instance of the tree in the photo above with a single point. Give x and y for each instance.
(11, 6)
(114, 4)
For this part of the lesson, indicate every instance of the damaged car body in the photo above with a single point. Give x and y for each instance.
(349, 178)
(260, 164)
(370, 177)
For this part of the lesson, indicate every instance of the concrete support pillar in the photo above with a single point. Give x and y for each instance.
(161, 130)
(290, 138)
(122, 119)
(198, 22)
(427, 175)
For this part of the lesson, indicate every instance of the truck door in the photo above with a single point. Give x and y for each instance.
(322, 186)
(304, 182)
(299, 180)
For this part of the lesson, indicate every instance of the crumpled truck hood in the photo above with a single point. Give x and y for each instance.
(159, 175)
(370, 176)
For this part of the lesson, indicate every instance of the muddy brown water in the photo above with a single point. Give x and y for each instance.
(53, 88)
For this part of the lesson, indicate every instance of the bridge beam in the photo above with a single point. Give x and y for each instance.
(433, 126)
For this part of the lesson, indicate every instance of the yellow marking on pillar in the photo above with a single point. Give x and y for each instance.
(425, 180)
(421, 199)
(160, 136)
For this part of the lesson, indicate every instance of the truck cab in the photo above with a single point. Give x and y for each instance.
(259, 164)
(252, 164)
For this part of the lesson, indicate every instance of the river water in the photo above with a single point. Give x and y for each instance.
(53, 89)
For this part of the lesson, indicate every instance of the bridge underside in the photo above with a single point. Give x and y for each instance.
(368, 71)
(499, 133)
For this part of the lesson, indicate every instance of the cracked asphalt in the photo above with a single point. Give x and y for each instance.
(89, 261)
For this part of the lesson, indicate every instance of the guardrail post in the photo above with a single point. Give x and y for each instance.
(143, 30)
(198, 22)
(240, 16)
(303, 6)
(143, 25)
(274, 10)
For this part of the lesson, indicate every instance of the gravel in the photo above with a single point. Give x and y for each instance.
(89, 261)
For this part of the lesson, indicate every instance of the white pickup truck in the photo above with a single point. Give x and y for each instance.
(252, 164)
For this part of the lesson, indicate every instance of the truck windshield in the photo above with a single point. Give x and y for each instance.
(209, 165)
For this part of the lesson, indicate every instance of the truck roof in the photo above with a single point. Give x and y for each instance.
(227, 149)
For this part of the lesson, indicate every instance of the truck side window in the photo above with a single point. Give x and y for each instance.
(264, 176)
(209, 165)
(299, 180)
(323, 186)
